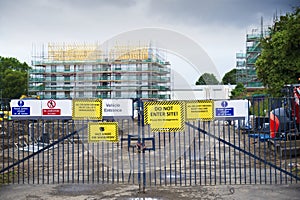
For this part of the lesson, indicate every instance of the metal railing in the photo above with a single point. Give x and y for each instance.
(215, 152)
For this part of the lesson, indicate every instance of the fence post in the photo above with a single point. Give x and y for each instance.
(141, 135)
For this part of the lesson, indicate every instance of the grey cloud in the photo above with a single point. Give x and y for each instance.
(98, 3)
(238, 13)
(231, 12)
(8, 7)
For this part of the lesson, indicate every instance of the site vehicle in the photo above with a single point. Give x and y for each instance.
(24, 97)
(286, 118)
(5, 112)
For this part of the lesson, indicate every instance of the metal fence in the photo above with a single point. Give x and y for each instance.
(205, 153)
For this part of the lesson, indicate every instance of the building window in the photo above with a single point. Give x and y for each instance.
(95, 77)
(67, 94)
(80, 77)
(95, 94)
(53, 80)
(118, 76)
(118, 94)
(53, 68)
(67, 68)
(81, 94)
(139, 94)
(67, 78)
(118, 67)
(81, 68)
(53, 95)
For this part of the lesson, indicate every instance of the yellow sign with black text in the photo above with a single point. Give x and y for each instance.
(201, 109)
(84, 109)
(164, 116)
(103, 131)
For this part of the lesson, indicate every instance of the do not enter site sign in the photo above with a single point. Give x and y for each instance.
(165, 116)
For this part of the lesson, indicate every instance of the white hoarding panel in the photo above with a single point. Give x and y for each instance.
(231, 109)
(117, 107)
(25, 108)
(56, 108)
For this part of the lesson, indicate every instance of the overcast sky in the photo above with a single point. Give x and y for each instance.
(218, 26)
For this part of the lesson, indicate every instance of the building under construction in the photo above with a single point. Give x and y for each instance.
(61, 71)
(245, 62)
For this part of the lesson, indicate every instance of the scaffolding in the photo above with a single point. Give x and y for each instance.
(73, 52)
(245, 62)
(129, 53)
(241, 72)
(90, 71)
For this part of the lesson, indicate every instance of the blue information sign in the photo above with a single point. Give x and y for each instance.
(20, 110)
(224, 112)
(21, 103)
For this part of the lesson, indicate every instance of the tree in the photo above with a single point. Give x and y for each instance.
(229, 77)
(207, 79)
(13, 78)
(279, 62)
(238, 92)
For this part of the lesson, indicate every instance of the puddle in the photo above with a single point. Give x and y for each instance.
(143, 198)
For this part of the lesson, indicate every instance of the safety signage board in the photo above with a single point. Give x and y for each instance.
(56, 108)
(201, 109)
(231, 109)
(87, 109)
(117, 107)
(224, 112)
(25, 108)
(103, 131)
(164, 116)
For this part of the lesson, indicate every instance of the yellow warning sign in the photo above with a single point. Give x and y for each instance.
(164, 116)
(103, 131)
(201, 109)
(87, 109)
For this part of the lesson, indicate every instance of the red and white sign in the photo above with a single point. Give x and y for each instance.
(51, 104)
(51, 112)
(57, 108)
(51, 109)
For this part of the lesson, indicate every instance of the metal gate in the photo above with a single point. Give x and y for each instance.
(205, 153)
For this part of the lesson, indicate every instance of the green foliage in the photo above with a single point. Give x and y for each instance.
(7, 177)
(296, 170)
(230, 77)
(238, 92)
(13, 78)
(14, 84)
(259, 108)
(207, 79)
(279, 62)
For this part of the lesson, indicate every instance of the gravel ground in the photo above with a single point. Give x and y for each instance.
(132, 192)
